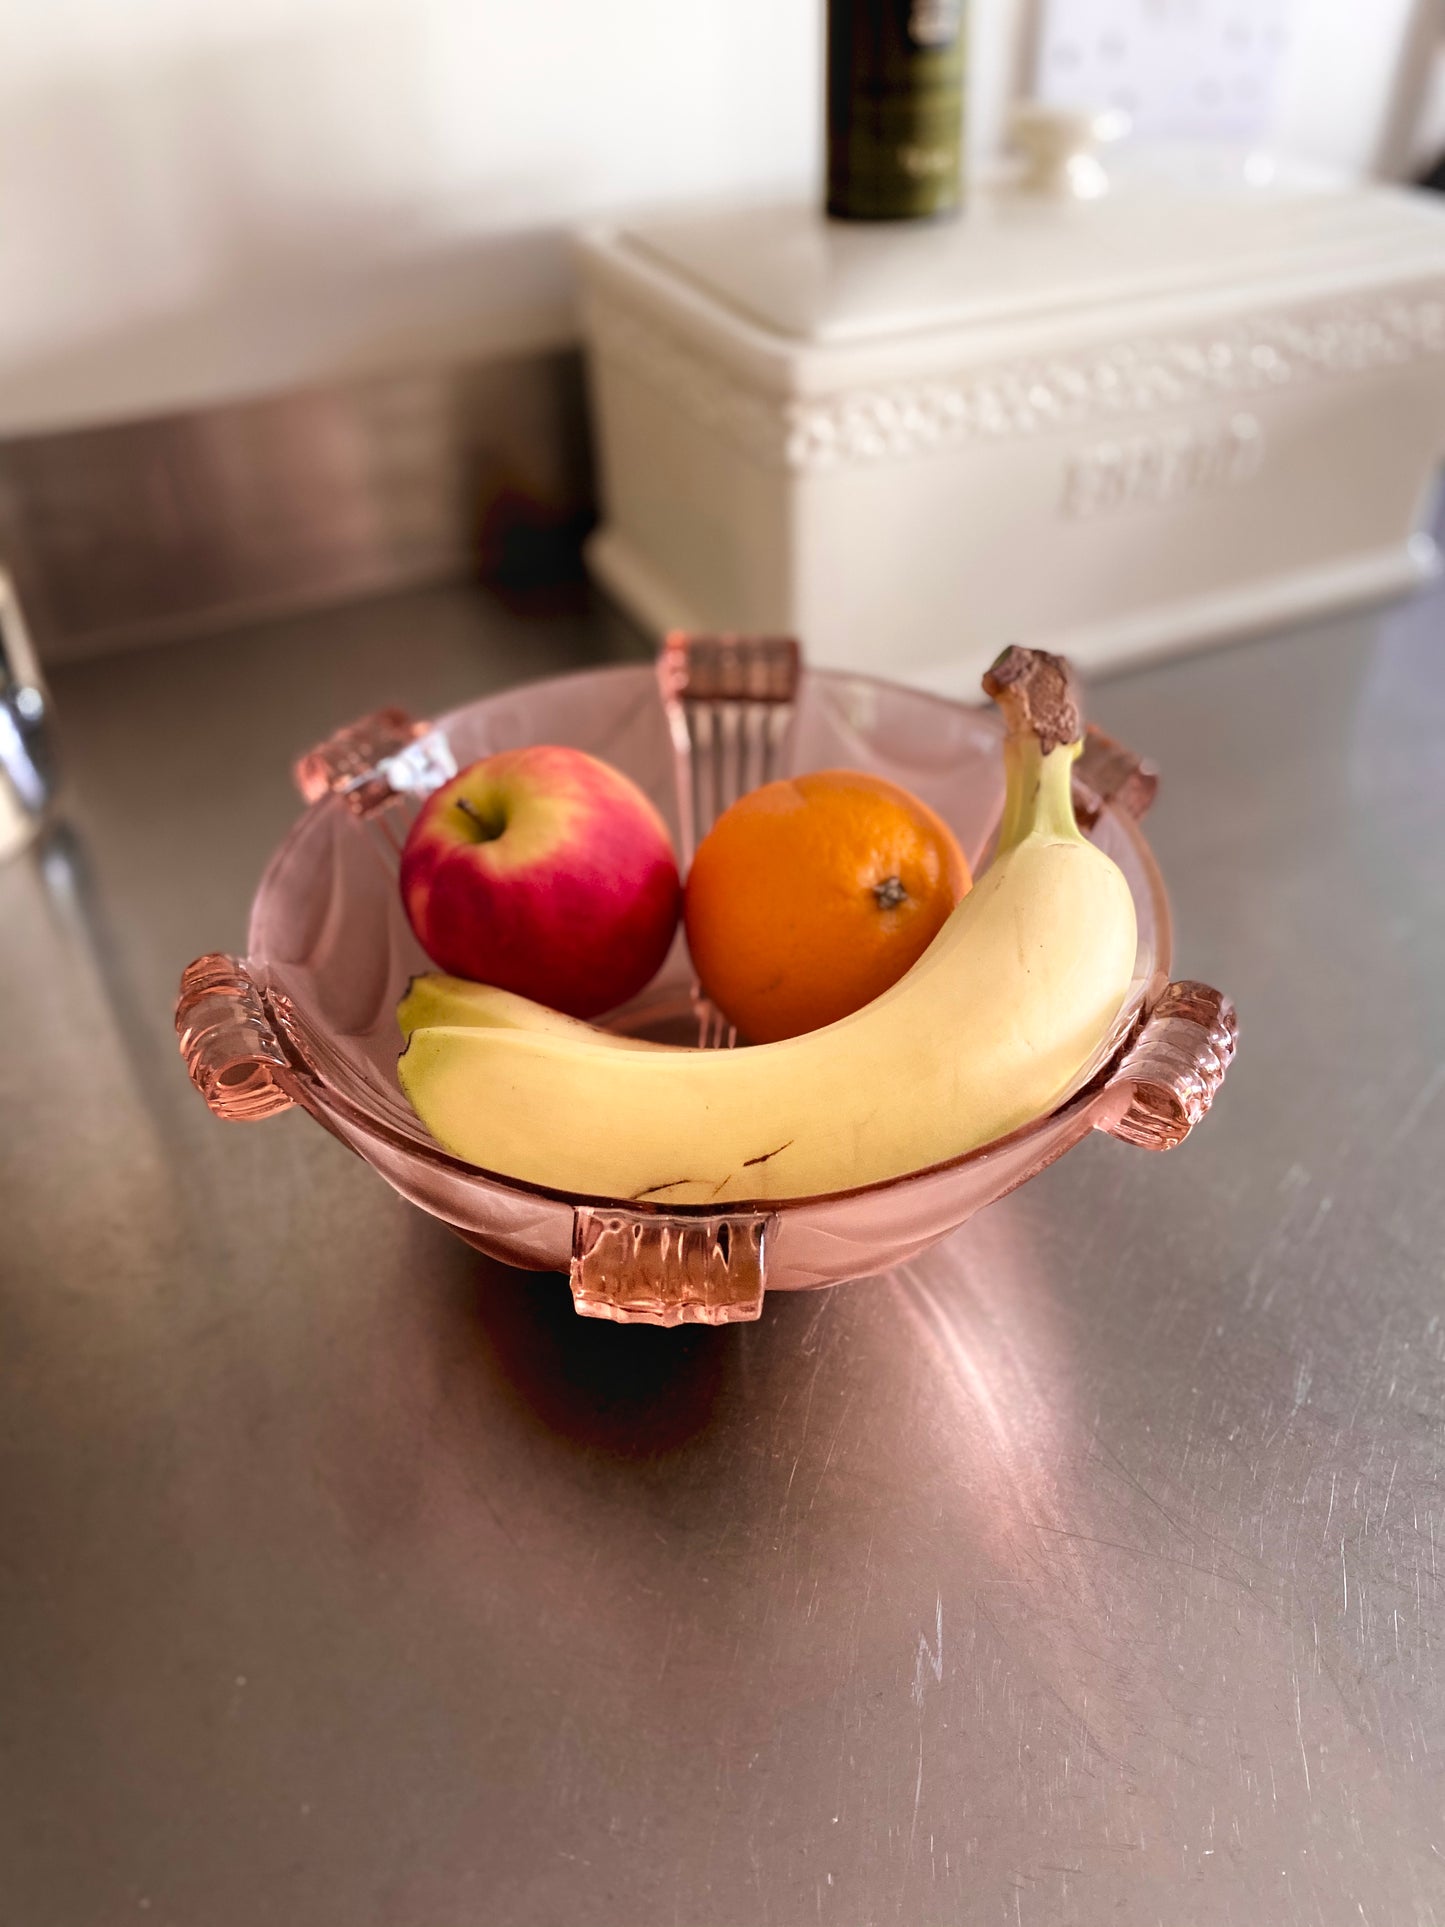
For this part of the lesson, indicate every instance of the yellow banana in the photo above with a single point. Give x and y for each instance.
(433, 1000)
(994, 1024)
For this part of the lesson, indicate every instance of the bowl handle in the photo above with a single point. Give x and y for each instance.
(369, 763)
(1106, 773)
(669, 1270)
(1171, 1073)
(729, 702)
(231, 1050)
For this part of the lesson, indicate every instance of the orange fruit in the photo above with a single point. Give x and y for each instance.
(810, 897)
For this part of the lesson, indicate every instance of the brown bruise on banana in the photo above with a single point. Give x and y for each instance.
(672, 1184)
(766, 1155)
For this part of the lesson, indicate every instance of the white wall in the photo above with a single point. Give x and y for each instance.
(198, 196)
(1350, 77)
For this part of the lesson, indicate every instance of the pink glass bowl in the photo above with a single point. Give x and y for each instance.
(308, 1016)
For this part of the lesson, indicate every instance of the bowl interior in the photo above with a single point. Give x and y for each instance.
(333, 946)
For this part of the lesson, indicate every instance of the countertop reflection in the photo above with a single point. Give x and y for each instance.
(1083, 1569)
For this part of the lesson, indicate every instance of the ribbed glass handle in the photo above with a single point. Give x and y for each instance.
(730, 703)
(1107, 773)
(662, 1270)
(370, 763)
(1172, 1072)
(229, 1044)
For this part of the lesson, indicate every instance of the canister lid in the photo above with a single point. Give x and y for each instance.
(1172, 226)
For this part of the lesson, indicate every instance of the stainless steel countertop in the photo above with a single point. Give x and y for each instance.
(1086, 1569)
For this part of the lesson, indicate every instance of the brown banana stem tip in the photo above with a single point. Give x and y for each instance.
(1038, 694)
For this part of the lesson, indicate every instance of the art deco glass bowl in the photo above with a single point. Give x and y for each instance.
(308, 1015)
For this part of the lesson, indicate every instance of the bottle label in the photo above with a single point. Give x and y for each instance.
(895, 108)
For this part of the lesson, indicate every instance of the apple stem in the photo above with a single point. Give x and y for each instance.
(490, 827)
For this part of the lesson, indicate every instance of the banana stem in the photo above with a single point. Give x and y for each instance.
(1039, 698)
(1039, 799)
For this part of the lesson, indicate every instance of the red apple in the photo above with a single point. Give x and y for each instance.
(545, 872)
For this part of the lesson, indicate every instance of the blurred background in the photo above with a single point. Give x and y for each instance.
(367, 204)
(200, 202)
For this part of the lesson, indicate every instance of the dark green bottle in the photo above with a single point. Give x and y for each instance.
(895, 109)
